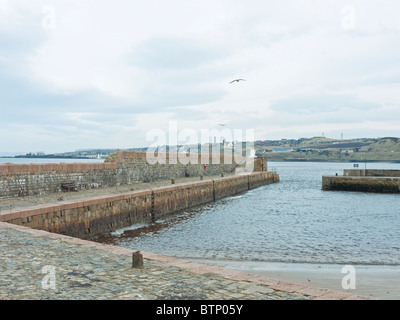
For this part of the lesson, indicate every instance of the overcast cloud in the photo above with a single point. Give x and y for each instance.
(80, 74)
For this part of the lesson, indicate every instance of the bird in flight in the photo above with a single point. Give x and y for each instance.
(237, 80)
(222, 124)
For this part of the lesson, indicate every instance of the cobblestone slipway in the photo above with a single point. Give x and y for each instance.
(37, 265)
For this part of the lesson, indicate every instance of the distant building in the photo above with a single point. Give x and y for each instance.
(347, 151)
(282, 150)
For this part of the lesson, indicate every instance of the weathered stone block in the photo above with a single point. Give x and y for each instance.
(137, 260)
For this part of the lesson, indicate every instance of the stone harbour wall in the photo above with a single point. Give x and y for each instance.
(361, 184)
(38, 183)
(93, 217)
(135, 167)
(123, 168)
(371, 173)
(224, 188)
(181, 197)
(371, 180)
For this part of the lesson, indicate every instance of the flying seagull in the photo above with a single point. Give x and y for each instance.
(237, 80)
(222, 124)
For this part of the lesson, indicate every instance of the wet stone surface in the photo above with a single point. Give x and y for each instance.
(34, 267)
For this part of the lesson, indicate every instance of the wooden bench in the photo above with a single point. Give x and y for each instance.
(68, 186)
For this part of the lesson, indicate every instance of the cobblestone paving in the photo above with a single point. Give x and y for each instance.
(91, 273)
(85, 270)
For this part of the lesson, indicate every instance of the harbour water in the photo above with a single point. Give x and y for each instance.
(291, 225)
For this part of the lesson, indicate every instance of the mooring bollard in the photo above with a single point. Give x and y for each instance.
(137, 260)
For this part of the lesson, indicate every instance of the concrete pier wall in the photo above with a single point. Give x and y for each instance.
(92, 217)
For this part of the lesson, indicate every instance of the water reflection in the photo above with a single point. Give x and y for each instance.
(124, 235)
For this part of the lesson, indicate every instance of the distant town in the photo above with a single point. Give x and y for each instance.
(326, 149)
(304, 149)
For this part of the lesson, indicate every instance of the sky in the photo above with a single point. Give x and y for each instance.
(85, 74)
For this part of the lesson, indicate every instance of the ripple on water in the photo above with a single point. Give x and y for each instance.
(291, 221)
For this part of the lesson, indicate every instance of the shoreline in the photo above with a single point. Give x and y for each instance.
(380, 282)
(89, 270)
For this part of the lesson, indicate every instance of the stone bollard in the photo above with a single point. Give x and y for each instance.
(201, 177)
(137, 260)
(172, 181)
(222, 175)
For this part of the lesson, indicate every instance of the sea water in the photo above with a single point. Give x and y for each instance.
(292, 221)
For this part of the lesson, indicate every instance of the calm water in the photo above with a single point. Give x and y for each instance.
(291, 221)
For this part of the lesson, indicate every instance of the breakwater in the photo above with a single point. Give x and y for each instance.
(91, 217)
(378, 181)
(122, 168)
(371, 173)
